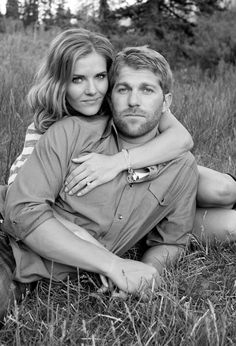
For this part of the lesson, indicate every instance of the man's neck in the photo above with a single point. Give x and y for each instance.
(131, 142)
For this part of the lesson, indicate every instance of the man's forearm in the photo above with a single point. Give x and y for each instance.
(161, 255)
(53, 241)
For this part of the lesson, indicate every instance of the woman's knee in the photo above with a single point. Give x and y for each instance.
(225, 191)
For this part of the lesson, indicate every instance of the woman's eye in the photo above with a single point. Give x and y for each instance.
(77, 80)
(102, 76)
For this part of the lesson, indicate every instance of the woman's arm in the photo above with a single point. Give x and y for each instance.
(31, 138)
(173, 140)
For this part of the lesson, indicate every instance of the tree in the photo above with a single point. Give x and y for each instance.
(104, 10)
(30, 12)
(12, 9)
(63, 16)
(46, 13)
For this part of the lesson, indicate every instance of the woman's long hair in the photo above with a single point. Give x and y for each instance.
(47, 97)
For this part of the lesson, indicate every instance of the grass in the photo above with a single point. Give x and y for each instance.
(196, 303)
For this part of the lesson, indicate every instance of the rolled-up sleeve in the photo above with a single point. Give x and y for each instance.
(37, 185)
(180, 204)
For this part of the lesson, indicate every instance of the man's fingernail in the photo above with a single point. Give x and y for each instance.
(66, 189)
(79, 194)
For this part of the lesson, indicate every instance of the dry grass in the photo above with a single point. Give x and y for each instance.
(196, 303)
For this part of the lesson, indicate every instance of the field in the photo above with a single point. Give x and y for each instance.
(196, 304)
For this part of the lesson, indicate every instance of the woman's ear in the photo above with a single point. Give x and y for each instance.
(167, 102)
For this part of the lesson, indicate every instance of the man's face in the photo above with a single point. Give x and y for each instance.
(137, 102)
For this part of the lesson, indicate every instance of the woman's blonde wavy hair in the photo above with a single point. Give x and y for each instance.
(47, 97)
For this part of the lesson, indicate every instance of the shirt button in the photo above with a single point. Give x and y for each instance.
(120, 217)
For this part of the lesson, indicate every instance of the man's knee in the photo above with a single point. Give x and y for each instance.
(7, 267)
(230, 228)
(6, 289)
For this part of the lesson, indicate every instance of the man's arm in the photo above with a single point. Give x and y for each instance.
(29, 215)
(174, 229)
(52, 240)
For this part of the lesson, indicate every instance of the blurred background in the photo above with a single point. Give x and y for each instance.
(186, 31)
(197, 37)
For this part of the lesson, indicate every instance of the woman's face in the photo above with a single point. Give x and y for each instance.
(89, 84)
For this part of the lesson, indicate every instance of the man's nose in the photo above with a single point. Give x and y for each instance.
(90, 88)
(134, 99)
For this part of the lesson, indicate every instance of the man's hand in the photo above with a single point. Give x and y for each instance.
(132, 276)
(145, 287)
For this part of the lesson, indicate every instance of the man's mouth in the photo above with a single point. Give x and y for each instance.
(134, 115)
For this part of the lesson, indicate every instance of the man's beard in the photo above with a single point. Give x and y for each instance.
(125, 127)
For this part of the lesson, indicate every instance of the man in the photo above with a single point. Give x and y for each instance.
(157, 201)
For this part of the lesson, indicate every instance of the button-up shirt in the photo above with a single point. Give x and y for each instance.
(117, 214)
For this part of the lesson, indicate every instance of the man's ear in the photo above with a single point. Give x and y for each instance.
(167, 102)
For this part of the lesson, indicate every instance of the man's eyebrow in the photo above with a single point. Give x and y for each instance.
(147, 84)
(122, 84)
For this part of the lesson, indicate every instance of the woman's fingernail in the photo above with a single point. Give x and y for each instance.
(66, 189)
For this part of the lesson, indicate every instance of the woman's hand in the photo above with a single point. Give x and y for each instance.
(94, 170)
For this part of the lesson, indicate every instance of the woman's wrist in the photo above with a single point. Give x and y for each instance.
(120, 161)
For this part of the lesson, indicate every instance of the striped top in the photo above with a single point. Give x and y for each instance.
(31, 138)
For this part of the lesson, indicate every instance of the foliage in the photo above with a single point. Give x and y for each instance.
(30, 12)
(214, 40)
(12, 9)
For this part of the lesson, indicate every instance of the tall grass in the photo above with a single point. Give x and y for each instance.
(196, 303)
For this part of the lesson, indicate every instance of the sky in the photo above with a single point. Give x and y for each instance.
(72, 4)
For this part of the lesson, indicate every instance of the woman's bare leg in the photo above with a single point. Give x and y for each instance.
(215, 189)
(215, 223)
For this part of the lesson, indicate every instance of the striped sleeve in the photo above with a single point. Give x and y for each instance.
(31, 138)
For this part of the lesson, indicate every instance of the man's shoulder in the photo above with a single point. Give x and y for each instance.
(184, 162)
(79, 124)
(173, 174)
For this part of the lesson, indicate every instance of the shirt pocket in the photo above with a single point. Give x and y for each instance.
(164, 197)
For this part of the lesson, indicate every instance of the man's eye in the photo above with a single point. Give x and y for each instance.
(147, 91)
(77, 80)
(122, 90)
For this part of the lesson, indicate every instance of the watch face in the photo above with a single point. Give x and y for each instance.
(132, 177)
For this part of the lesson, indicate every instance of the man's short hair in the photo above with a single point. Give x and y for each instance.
(143, 58)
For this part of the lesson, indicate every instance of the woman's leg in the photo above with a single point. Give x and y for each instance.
(215, 223)
(215, 189)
